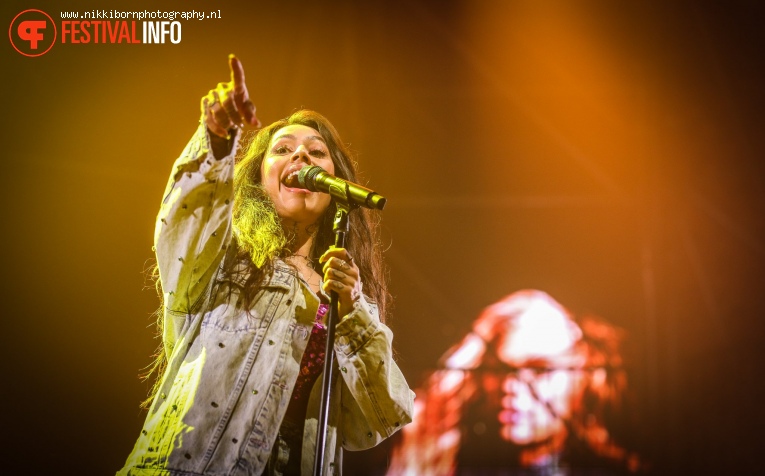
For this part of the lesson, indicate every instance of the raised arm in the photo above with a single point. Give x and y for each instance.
(193, 227)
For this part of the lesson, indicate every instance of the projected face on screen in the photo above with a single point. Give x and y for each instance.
(534, 403)
(516, 391)
(533, 341)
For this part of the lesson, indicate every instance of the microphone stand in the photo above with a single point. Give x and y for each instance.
(340, 227)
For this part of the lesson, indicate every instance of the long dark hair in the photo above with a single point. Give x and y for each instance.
(257, 230)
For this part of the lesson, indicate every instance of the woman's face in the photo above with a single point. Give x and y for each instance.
(540, 394)
(292, 148)
(535, 403)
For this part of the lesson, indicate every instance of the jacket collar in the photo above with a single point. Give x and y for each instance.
(282, 277)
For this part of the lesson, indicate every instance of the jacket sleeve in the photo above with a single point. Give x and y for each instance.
(193, 229)
(376, 400)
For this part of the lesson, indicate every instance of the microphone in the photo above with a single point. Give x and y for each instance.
(316, 179)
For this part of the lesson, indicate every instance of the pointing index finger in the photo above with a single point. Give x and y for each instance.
(237, 74)
(241, 96)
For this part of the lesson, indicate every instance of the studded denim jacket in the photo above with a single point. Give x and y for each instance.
(231, 370)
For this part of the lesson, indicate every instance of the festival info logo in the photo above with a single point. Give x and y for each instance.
(32, 33)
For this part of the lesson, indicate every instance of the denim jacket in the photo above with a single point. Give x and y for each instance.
(231, 370)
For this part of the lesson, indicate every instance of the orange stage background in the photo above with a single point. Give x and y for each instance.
(609, 153)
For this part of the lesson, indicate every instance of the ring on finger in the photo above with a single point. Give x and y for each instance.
(217, 101)
(207, 104)
(214, 123)
(212, 98)
(221, 117)
(232, 114)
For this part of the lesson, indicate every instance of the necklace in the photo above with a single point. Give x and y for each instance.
(309, 273)
(307, 259)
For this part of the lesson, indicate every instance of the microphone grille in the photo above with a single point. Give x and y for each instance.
(307, 176)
